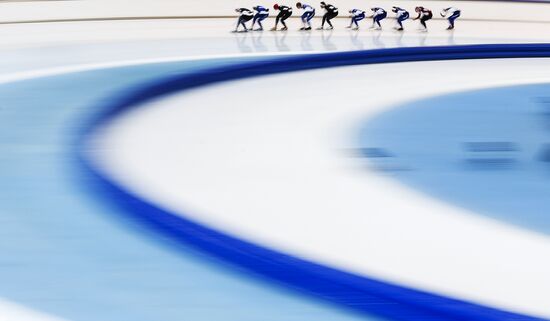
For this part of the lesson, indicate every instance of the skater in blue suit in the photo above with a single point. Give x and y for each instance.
(452, 14)
(307, 15)
(378, 14)
(356, 16)
(400, 16)
(261, 14)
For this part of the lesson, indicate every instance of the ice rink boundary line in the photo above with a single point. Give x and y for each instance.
(55, 71)
(98, 19)
(361, 293)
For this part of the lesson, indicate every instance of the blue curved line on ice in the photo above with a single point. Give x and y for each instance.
(361, 293)
(65, 252)
(483, 149)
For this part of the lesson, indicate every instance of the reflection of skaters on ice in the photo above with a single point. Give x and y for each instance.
(280, 43)
(305, 42)
(243, 43)
(258, 43)
(327, 42)
(356, 41)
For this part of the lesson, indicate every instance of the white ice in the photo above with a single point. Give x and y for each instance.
(43, 49)
(274, 172)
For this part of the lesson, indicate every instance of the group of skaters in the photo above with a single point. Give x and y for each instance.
(260, 13)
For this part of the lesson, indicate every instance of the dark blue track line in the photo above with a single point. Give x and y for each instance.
(363, 294)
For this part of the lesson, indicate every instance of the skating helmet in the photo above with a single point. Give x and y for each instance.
(323, 4)
(298, 5)
(276, 6)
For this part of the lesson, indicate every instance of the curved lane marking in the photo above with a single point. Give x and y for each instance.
(400, 302)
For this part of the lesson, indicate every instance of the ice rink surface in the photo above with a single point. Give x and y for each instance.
(35, 46)
(277, 169)
(72, 257)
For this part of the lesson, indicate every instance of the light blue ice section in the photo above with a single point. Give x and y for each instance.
(483, 150)
(64, 252)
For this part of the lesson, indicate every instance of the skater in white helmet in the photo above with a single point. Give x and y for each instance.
(307, 15)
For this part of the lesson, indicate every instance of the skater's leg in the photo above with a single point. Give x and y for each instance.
(332, 16)
(239, 22)
(400, 20)
(304, 19)
(284, 23)
(243, 21)
(452, 19)
(309, 16)
(379, 18)
(283, 20)
(424, 20)
(376, 22)
(260, 19)
(355, 20)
